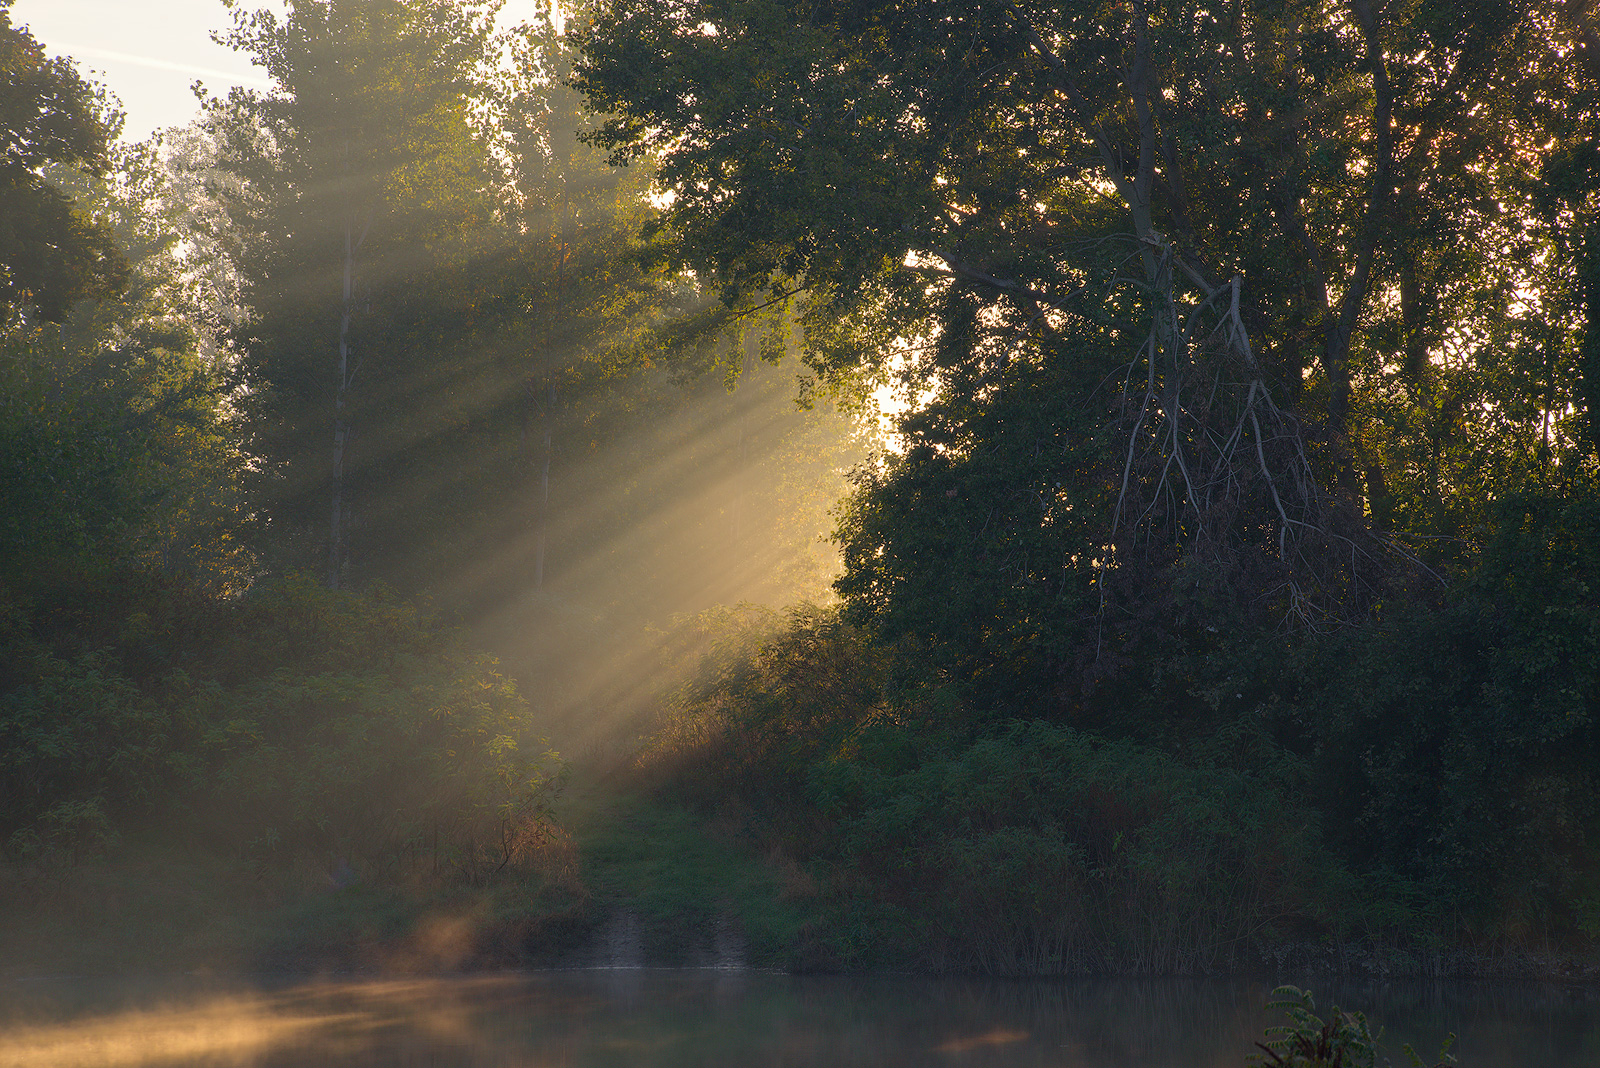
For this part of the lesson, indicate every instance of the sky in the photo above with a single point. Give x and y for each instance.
(148, 52)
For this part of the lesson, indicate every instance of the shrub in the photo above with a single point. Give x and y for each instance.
(1040, 849)
(296, 720)
(1344, 1040)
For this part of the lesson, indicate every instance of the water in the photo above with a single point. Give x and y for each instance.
(647, 1018)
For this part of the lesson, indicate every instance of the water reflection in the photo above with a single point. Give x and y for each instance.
(668, 1019)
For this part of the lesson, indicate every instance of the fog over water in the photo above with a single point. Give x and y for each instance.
(645, 1017)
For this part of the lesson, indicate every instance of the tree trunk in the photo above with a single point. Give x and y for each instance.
(542, 536)
(1588, 384)
(341, 424)
(338, 527)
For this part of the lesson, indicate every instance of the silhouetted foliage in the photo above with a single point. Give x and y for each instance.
(52, 252)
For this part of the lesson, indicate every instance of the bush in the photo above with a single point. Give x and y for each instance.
(1344, 1040)
(1043, 850)
(1023, 847)
(771, 694)
(1454, 749)
(287, 721)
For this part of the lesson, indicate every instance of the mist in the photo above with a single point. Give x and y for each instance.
(448, 523)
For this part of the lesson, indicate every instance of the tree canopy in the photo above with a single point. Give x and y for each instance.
(52, 253)
(1245, 352)
(1300, 238)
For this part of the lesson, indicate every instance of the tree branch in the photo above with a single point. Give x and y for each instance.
(1382, 175)
(1069, 88)
(1010, 286)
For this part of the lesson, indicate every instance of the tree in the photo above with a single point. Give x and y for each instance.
(52, 254)
(1242, 216)
(1203, 308)
(367, 191)
(1569, 194)
(118, 444)
(577, 220)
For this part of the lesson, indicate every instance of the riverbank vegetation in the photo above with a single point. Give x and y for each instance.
(412, 553)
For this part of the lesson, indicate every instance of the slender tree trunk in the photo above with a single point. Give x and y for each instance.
(541, 536)
(566, 231)
(1588, 383)
(738, 490)
(547, 408)
(339, 520)
(341, 424)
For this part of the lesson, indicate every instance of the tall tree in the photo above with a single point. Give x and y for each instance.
(1570, 187)
(367, 191)
(577, 220)
(1236, 212)
(52, 252)
(117, 441)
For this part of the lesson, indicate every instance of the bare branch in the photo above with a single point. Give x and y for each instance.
(962, 269)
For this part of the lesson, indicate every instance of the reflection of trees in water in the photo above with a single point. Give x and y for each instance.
(649, 1018)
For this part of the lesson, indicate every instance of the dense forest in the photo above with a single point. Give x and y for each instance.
(456, 471)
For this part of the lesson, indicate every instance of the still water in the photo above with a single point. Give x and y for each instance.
(659, 1018)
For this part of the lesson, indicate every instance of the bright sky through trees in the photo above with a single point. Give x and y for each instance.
(149, 52)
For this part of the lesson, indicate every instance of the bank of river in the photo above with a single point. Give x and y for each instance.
(660, 1018)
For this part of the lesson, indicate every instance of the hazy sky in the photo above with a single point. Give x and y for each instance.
(149, 51)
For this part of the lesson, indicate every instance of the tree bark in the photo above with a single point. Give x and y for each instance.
(339, 521)
(541, 512)
(341, 423)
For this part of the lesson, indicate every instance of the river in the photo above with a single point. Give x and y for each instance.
(657, 1018)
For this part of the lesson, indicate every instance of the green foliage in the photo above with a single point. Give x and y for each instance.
(160, 673)
(1343, 1041)
(521, 384)
(290, 721)
(1027, 847)
(52, 252)
(975, 538)
(116, 447)
(913, 178)
(894, 153)
(1074, 712)
(1041, 850)
(351, 725)
(1453, 748)
(684, 876)
(366, 192)
(1423, 781)
(771, 694)
(982, 195)
(118, 443)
